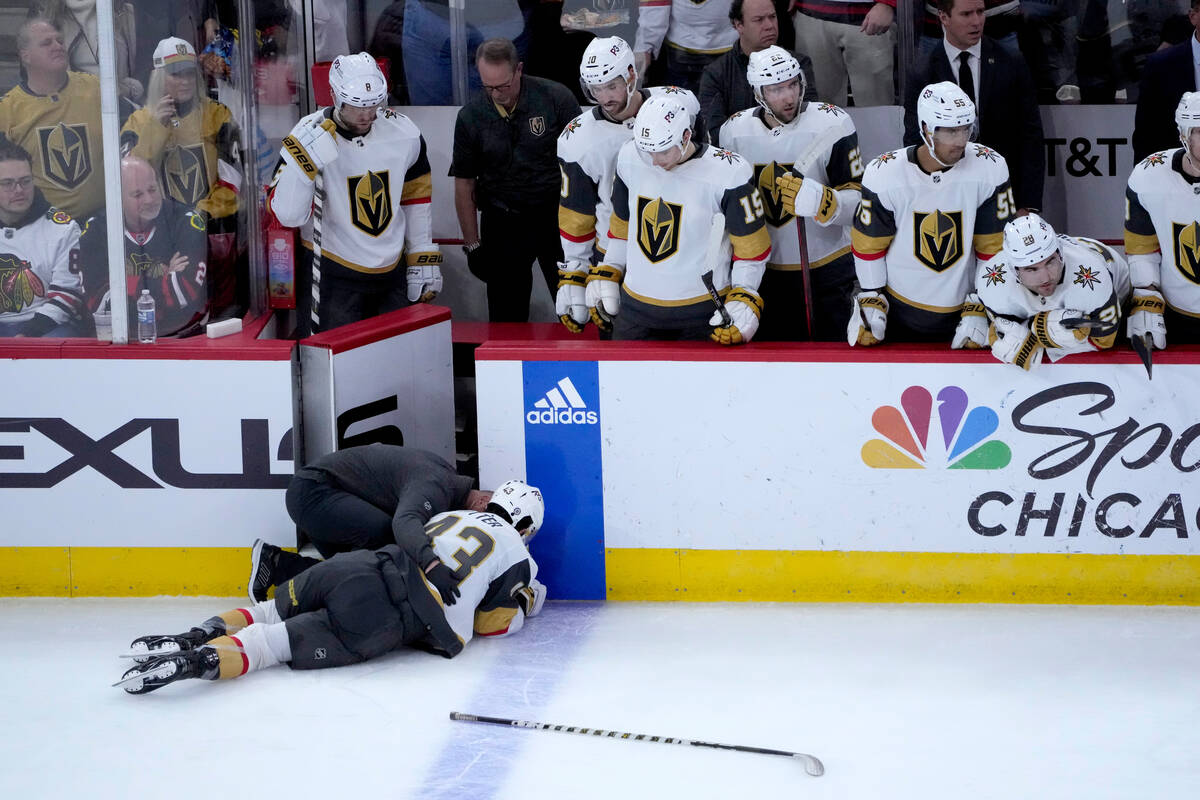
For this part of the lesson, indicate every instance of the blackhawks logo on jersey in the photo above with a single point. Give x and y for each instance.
(66, 155)
(19, 284)
(764, 179)
(1086, 276)
(938, 239)
(658, 228)
(139, 265)
(370, 198)
(1185, 241)
(185, 173)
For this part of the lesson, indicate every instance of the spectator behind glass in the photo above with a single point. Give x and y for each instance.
(505, 168)
(388, 42)
(685, 37)
(1169, 73)
(194, 144)
(165, 246)
(850, 42)
(77, 21)
(724, 89)
(55, 115)
(41, 293)
(1048, 39)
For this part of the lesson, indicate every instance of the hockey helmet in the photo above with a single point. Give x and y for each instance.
(1029, 240)
(662, 123)
(771, 66)
(355, 80)
(1187, 114)
(523, 504)
(944, 105)
(604, 60)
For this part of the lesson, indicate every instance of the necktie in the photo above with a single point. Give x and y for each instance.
(965, 81)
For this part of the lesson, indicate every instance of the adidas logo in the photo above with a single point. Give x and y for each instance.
(562, 405)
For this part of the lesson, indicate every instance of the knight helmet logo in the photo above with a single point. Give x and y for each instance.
(66, 155)
(658, 228)
(185, 174)
(370, 201)
(764, 179)
(1185, 241)
(938, 239)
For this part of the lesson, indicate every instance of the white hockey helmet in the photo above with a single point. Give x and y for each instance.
(771, 66)
(523, 504)
(606, 59)
(944, 105)
(662, 123)
(356, 81)
(1029, 240)
(1187, 115)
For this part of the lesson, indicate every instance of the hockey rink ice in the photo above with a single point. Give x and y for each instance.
(899, 701)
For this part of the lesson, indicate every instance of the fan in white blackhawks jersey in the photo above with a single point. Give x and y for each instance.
(1162, 236)
(808, 169)
(357, 177)
(1048, 295)
(363, 604)
(928, 214)
(680, 209)
(587, 158)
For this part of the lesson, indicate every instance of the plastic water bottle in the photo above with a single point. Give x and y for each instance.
(147, 327)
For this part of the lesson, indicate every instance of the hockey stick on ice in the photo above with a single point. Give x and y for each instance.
(812, 764)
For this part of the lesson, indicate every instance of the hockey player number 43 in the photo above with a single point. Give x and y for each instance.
(476, 544)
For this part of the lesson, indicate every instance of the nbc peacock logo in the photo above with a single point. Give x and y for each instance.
(919, 435)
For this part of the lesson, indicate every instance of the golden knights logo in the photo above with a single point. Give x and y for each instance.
(185, 174)
(1185, 241)
(1087, 277)
(19, 285)
(370, 201)
(658, 228)
(938, 239)
(764, 179)
(66, 155)
(537, 125)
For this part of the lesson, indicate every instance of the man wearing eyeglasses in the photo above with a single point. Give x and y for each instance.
(41, 292)
(505, 169)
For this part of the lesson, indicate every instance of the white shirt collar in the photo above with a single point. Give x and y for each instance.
(1195, 50)
(975, 50)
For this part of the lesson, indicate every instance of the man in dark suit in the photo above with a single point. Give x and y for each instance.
(1002, 89)
(1168, 74)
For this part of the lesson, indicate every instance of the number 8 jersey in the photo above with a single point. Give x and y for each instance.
(499, 586)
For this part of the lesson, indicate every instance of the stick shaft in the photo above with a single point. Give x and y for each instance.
(812, 764)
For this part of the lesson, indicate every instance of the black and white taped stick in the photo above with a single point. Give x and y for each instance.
(812, 764)
(716, 298)
(317, 213)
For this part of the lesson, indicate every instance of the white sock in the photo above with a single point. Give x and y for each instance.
(260, 647)
(265, 612)
(278, 641)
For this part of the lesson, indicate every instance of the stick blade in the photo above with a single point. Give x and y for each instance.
(1142, 348)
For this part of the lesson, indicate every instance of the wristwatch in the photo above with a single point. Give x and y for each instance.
(471, 248)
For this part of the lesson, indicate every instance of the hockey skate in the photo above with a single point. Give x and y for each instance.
(272, 566)
(158, 671)
(143, 648)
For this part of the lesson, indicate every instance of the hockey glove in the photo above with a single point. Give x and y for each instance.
(1016, 345)
(424, 276)
(744, 307)
(972, 331)
(868, 319)
(310, 146)
(1051, 333)
(1146, 317)
(531, 597)
(571, 301)
(603, 294)
(807, 197)
(444, 580)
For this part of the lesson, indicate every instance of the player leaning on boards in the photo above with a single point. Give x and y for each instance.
(1162, 213)
(914, 262)
(677, 208)
(587, 157)
(1049, 295)
(776, 137)
(360, 605)
(359, 173)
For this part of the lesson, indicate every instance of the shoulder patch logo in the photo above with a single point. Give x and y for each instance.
(1086, 276)
(1153, 160)
(986, 152)
(828, 108)
(726, 155)
(994, 274)
(572, 126)
(61, 217)
(884, 158)
(537, 125)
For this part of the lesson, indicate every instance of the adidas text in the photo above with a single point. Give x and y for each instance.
(562, 416)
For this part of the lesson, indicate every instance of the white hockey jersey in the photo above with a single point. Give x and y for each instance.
(1095, 282)
(668, 227)
(697, 26)
(39, 270)
(775, 151)
(919, 234)
(1162, 230)
(500, 588)
(378, 194)
(587, 158)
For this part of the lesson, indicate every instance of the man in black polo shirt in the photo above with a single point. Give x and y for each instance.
(506, 168)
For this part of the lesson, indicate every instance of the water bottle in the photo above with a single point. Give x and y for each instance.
(147, 328)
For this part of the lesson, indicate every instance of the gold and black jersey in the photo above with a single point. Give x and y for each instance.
(61, 131)
(1162, 229)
